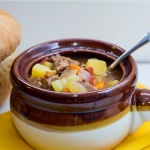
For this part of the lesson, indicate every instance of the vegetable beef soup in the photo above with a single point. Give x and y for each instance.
(73, 74)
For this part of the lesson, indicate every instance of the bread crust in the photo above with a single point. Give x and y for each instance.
(10, 34)
(5, 84)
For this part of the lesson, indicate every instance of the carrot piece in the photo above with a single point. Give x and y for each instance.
(73, 66)
(51, 73)
(100, 85)
(66, 90)
(48, 74)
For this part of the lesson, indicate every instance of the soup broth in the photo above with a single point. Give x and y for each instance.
(73, 73)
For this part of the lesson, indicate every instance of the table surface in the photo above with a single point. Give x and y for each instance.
(143, 77)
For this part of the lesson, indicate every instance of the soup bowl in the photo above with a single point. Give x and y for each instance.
(94, 120)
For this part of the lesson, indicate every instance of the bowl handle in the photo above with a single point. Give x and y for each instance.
(140, 108)
(141, 97)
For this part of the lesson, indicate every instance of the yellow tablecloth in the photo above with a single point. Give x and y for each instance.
(11, 140)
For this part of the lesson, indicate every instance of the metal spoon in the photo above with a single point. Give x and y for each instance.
(144, 40)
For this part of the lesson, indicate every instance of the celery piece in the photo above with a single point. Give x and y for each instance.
(49, 65)
(112, 82)
(76, 87)
(57, 86)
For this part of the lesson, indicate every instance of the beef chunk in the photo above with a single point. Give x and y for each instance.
(44, 83)
(61, 62)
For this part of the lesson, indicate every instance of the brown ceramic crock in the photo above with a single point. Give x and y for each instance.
(74, 116)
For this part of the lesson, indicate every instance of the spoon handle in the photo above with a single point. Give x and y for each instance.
(145, 39)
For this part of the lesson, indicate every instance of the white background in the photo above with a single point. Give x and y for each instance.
(120, 22)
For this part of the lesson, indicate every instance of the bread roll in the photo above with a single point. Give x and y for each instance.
(10, 36)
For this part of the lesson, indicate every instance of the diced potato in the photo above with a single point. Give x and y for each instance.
(59, 85)
(76, 87)
(49, 65)
(99, 66)
(112, 82)
(39, 70)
